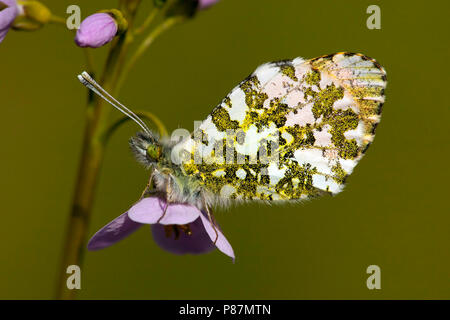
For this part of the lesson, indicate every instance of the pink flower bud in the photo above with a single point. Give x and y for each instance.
(96, 30)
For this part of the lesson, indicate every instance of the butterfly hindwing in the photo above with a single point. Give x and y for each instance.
(292, 130)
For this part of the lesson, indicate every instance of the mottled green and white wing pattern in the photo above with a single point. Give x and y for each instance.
(310, 120)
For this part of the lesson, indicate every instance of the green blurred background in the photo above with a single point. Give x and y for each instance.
(394, 212)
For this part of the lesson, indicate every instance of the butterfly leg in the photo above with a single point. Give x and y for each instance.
(164, 213)
(168, 192)
(147, 187)
(211, 219)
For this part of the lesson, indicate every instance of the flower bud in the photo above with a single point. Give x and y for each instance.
(32, 17)
(8, 12)
(100, 28)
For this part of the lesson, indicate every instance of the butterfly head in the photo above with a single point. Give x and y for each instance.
(146, 148)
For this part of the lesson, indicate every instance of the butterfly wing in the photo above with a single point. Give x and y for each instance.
(292, 130)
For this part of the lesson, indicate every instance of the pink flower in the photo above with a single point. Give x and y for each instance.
(203, 4)
(96, 30)
(7, 16)
(177, 228)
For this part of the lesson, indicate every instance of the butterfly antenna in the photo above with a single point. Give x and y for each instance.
(90, 83)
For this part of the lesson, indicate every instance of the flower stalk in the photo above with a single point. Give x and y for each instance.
(89, 168)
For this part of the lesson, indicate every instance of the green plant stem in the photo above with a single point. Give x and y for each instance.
(165, 25)
(90, 65)
(91, 158)
(57, 20)
(147, 21)
(90, 163)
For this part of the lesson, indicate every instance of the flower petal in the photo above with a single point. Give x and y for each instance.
(196, 243)
(116, 230)
(147, 210)
(150, 210)
(7, 16)
(178, 213)
(222, 243)
(3, 34)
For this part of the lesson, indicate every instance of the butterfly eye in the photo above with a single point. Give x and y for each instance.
(154, 151)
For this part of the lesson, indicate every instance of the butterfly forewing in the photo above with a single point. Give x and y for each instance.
(292, 130)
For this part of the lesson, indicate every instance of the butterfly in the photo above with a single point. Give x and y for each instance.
(292, 130)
